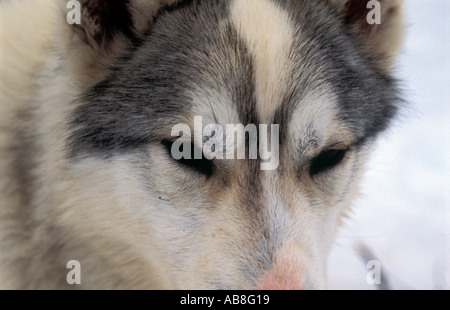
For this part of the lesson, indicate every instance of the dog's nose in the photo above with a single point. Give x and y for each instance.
(287, 272)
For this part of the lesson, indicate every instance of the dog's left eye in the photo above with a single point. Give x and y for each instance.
(326, 161)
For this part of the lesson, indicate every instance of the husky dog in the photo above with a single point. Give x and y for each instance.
(86, 117)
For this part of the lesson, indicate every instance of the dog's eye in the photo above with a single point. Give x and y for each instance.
(203, 165)
(326, 160)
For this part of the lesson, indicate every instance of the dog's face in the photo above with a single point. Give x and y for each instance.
(228, 223)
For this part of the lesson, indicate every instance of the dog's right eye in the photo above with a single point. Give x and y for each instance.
(203, 166)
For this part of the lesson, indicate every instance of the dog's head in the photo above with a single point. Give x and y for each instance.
(314, 74)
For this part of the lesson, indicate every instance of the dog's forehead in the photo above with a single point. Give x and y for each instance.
(251, 61)
(269, 89)
(268, 34)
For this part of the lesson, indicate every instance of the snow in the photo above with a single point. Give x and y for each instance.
(403, 214)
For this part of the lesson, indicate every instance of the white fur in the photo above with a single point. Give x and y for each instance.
(267, 30)
(138, 224)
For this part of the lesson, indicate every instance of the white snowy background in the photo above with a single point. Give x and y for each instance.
(403, 214)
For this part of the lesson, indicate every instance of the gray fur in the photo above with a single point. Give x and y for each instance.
(85, 175)
(146, 91)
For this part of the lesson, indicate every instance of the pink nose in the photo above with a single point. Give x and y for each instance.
(286, 272)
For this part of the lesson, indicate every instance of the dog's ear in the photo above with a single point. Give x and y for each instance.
(376, 26)
(94, 32)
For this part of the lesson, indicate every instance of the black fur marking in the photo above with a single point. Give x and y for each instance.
(355, 12)
(103, 20)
